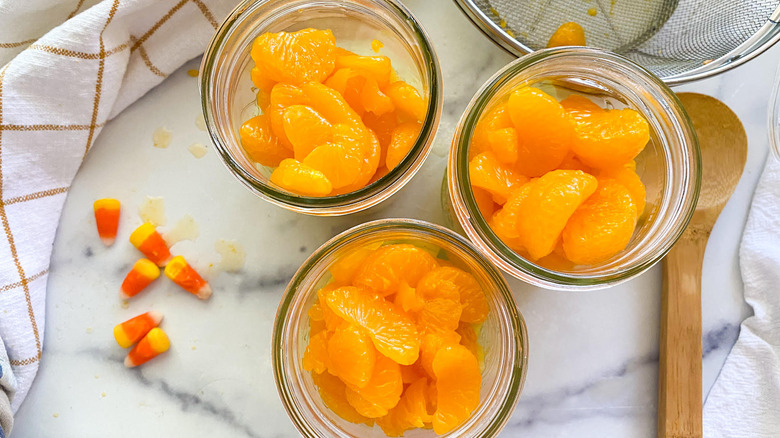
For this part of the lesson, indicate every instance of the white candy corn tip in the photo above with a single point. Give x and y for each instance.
(204, 293)
(108, 241)
(129, 363)
(123, 296)
(165, 262)
(156, 316)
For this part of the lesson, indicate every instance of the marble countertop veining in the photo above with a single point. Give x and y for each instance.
(593, 356)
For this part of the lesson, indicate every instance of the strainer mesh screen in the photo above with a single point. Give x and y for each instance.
(666, 36)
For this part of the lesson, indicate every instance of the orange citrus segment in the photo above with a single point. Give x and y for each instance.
(488, 173)
(351, 355)
(345, 268)
(544, 130)
(281, 97)
(393, 333)
(579, 107)
(504, 143)
(260, 143)
(407, 99)
(381, 393)
(296, 57)
(333, 393)
(602, 226)
(628, 178)
(546, 209)
(431, 343)
(458, 382)
(387, 267)
(336, 162)
(495, 119)
(439, 314)
(373, 100)
(315, 358)
(484, 202)
(610, 139)
(349, 84)
(505, 220)
(376, 67)
(568, 34)
(300, 178)
(410, 412)
(407, 298)
(305, 129)
(331, 104)
(438, 284)
(403, 138)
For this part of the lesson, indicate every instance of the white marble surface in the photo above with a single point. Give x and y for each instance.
(593, 356)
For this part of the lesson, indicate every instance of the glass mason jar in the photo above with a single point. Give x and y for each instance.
(228, 98)
(669, 166)
(503, 335)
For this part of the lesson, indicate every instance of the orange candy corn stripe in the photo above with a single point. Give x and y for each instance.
(130, 331)
(181, 273)
(107, 219)
(151, 244)
(154, 343)
(143, 273)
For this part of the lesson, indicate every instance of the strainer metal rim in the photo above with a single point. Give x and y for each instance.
(763, 39)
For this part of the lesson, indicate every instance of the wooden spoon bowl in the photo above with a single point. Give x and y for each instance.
(723, 145)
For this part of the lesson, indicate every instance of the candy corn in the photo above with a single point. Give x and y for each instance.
(107, 219)
(182, 274)
(143, 273)
(154, 343)
(130, 331)
(151, 244)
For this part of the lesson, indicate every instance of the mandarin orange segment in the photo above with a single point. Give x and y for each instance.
(382, 126)
(381, 393)
(504, 143)
(393, 333)
(351, 355)
(376, 67)
(627, 177)
(300, 178)
(545, 132)
(407, 298)
(493, 120)
(296, 57)
(490, 174)
(305, 129)
(431, 343)
(349, 84)
(373, 100)
(439, 282)
(331, 104)
(333, 393)
(610, 139)
(336, 162)
(410, 412)
(371, 155)
(568, 34)
(281, 97)
(345, 268)
(260, 143)
(484, 202)
(264, 85)
(458, 382)
(439, 314)
(579, 107)
(546, 209)
(505, 221)
(407, 100)
(329, 317)
(602, 226)
(315, 358)
(390, 265)
(403, 138)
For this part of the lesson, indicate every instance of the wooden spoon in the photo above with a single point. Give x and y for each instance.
(723, 145)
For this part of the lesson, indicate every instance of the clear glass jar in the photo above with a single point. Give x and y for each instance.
(669, 166)
(228, 99)
(503, 335)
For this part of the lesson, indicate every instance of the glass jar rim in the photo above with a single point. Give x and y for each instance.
(346, 203)
(517, 327)
(516, 265)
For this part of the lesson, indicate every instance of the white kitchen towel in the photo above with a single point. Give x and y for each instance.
(745, 399)
(66, 68)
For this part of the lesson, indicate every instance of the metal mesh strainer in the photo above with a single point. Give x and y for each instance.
(678, 40)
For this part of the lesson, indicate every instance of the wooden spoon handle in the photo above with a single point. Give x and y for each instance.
(679, 371)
